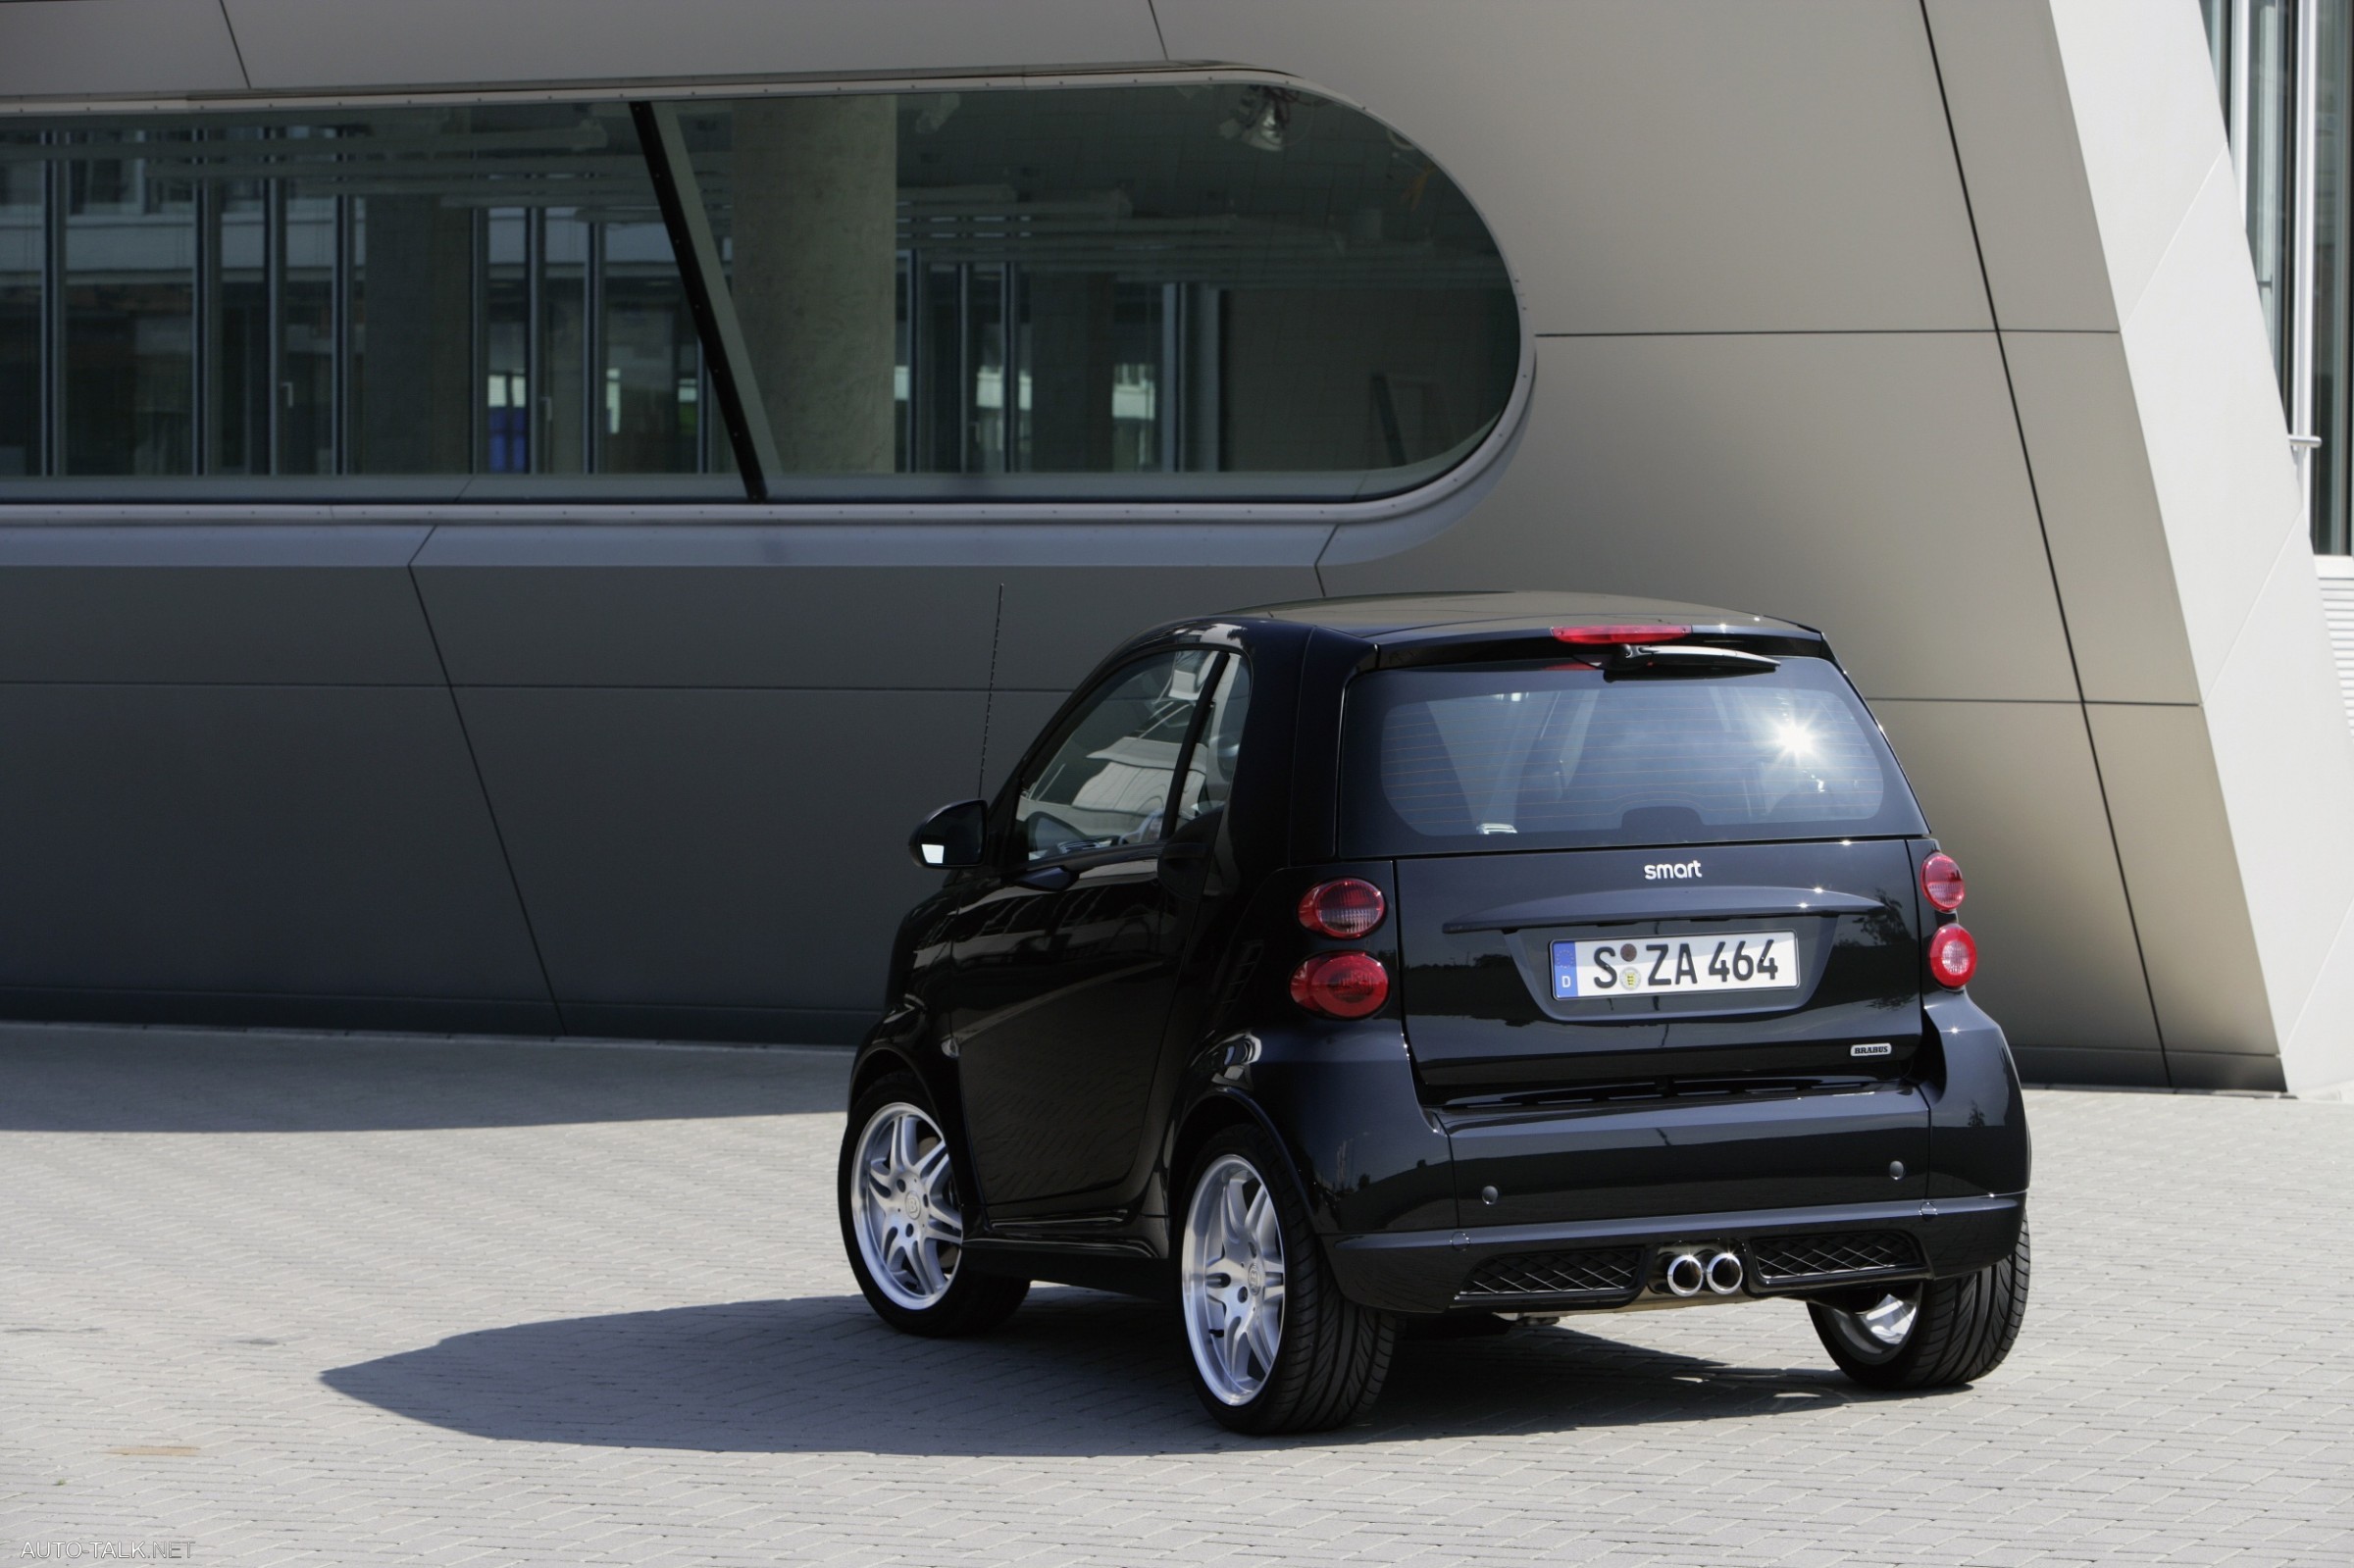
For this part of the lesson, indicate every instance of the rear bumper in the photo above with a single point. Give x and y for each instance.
(1610, 1262)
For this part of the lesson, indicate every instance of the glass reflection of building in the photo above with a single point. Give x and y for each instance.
(2284, 70)
(849, 291)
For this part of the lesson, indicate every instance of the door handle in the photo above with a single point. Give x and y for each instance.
(1048, 879)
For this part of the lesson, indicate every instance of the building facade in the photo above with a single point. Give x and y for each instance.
(507, 515)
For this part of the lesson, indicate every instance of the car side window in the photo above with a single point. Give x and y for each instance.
(1106, 781)
(1209, 771)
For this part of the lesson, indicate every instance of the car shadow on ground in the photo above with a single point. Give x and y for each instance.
(94, 1080)
(1073, 1373)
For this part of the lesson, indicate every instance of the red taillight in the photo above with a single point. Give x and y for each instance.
(1596, 636)
(1341, 984)
(1953, 957)
(1941, 882)
(1349, 907)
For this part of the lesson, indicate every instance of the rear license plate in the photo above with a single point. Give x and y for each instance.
(1752, 960)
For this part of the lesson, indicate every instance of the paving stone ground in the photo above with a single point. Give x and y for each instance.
(270, 1299)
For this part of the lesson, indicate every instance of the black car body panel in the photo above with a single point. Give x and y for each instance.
(1477, 931)
(1086, 1016)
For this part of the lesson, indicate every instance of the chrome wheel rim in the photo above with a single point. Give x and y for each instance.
(1880, 1331)
(904, 1207)
(1233, 1280)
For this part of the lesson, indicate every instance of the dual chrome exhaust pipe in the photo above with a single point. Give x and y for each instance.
(1701, 1269)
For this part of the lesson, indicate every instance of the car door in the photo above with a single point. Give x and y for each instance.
(1066, 958)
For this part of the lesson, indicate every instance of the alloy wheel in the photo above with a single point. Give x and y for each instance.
(1233, 1280)
(904, 1207)
(1879, 1331)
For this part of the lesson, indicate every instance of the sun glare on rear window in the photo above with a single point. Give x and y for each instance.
(1523, 757)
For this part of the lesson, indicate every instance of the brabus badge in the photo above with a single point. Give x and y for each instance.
(1881, 1050)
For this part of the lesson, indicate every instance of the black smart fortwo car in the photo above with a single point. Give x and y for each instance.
(1334, 965)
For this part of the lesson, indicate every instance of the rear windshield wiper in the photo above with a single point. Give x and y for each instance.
(1670, 658)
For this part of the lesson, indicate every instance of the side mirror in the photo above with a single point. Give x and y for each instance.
(951, 838)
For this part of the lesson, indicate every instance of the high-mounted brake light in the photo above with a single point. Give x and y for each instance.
(1341, 984)
(1599, 636)
(1953, 957)
(1349, 907)
(1941, 882)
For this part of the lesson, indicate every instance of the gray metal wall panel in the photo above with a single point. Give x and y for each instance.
(322, 605)
(2174, 841)
(1868, 483)
(2014, 131)
(886, 606)
(1058, 623)
(716, 626)
(60, 47)
(2100, 516)
(311, 43)
(313, 841)
(720, 849)
(2010, 788)
(1661, 165)
(2147, 128)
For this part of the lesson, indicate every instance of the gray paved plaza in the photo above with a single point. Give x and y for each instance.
(270, 1300)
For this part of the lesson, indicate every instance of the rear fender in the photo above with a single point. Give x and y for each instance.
(1977, 1119)
(1340, 1099)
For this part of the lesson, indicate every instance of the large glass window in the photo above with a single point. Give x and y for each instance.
(291, 298)
(2284, 70)
(1217, 290)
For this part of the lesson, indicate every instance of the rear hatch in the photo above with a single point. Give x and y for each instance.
(1660, 947)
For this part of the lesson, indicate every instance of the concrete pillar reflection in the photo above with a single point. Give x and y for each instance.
(415, 307)
(1070, 373)
(815, 194)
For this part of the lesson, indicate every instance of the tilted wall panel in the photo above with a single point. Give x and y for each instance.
(882, 606)
(2010, 789)
(1870, 485)
(2100, 516)
(2283, 758)
(2148, 128)
(1061, 621)
(324, 604)
(738, 851)
(2029, 202)
(2174, 841)
(304, 841)
(741, 625)
(2192, 329)
(54, 48)
(1660, 164)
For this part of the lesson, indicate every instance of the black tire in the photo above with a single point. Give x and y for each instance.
(1962, 1328)
(1331, 1354)
(973, 1302)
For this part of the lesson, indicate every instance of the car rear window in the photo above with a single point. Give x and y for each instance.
(1519, 756)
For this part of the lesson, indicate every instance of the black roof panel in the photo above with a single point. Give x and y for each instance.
(1391, 619)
